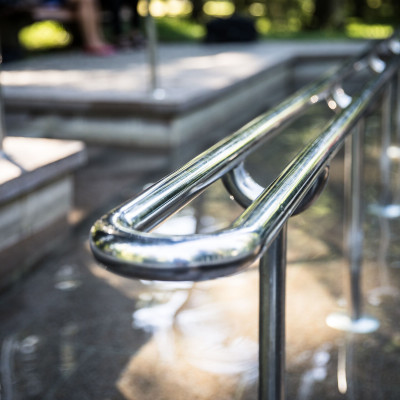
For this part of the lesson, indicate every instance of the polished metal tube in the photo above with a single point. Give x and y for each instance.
(121, 239)
(2, 122)
(396, 108)
(386, 137)
(272, 320)
(151, 32)
(354, 216)
(117, 241)
(150, 208)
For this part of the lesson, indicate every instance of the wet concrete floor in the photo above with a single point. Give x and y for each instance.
(72, 330)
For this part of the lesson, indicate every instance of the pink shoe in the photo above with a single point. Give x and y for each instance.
(104, 50)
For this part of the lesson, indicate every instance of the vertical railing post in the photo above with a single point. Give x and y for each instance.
(387, 207)
(151, 32)
(272, 320)
(386, 124)
(2, 123)
(396, 109)
(354, 320)
(354, 236)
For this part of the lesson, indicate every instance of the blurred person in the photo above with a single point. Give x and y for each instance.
(88, 15)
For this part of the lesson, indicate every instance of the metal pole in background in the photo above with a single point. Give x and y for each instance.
(151, 32)
(390, 203)
(2, 123)
(272, 320)
(387, 208)
(396, 108)
(353, 225)
(354, 320)
(385, 164)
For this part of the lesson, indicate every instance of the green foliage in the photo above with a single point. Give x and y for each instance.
(287, 19)
(358, 29)
(179, 30)
(44, 35)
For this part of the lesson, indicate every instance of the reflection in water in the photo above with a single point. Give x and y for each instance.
(347, 378)
(67, 277)
(317, 373)
(19, 363)
(341, 371)
(159, 319)
(385, 286)
(68, 362)
(389, 208)
(212, 346)
(28, 350)
(202, 329)
(7, 368)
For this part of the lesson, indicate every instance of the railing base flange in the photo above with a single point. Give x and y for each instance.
(389, 211)
(343, 322)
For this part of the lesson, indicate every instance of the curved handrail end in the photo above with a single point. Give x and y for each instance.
(152, 256)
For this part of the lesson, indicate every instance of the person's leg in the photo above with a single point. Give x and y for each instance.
(89, 19)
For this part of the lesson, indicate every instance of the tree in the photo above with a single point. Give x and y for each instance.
(328, 14)
(359, 8)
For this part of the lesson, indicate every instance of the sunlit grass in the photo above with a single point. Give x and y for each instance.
(257, 9)
(263, 26)
(165, 8)
(179, 30)
(292, 29)
(368, 31)
(44, 35)
(173, 24)
(218, 8)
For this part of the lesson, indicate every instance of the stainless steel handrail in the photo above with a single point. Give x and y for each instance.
(121, 239)
(2, 123)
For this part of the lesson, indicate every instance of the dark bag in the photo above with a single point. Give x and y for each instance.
(232, 29)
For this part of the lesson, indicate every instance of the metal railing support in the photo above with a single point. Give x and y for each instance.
(385, 164)
(2, 123)
(387, 208)
(396, 146)
(354, 320)
(354, 236)
(152, 50)
(272, 320)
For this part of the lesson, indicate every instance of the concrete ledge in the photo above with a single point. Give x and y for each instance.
(208, 92)
(18, 259)
(31, 162)
(27, 214)
(36, 191)
(206, 122)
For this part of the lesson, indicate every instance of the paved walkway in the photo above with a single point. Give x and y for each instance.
(187, 73)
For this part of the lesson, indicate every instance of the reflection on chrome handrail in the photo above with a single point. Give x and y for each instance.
(120, 239)
(2, 123)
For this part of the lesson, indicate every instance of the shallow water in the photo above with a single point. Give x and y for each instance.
(72, 330)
